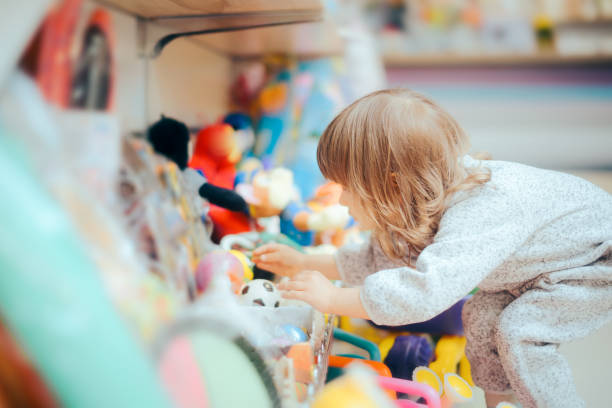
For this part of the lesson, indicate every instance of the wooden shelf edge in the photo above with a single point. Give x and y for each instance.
(501, 60)
(171, 9)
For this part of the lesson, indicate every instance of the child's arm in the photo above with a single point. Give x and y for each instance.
(286, 261)
(314, 288)
(476, 236)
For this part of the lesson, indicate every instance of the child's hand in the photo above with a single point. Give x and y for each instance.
(311, 287)
(279, 259)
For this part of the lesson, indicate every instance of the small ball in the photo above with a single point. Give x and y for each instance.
(296, 334)
(260, 292)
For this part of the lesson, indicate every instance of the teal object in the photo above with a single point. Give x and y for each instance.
(360, 342)
(55, 305)
(335, 372)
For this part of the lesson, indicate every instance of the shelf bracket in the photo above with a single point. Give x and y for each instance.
(156, 33)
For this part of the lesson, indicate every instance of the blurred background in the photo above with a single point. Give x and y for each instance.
(102, 232)
(529, 80)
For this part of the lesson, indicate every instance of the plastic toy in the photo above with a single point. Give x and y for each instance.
(426, 375)
(447, 322)
(336, 365)
(465, 370)
(449, 351)
(302, 355)
(413, 388)
(454, 391)
(260, 292)
(232, 263)
(357, 341)
(358, 388)
(361, 388)
(295, 333)
(407, 353)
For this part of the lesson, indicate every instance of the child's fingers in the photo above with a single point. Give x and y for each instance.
(303, 275)
(296, 294)
(271, 257)
(264, 249)
(292, 285)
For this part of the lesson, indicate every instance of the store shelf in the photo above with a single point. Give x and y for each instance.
(309, 40)
(493, 60)
(600, 22)
(153, 9)
(236, 28)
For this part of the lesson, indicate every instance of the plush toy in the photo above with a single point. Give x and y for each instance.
(215, 156)
(449, 351)
(273, 192)
(170, 138)
(302, 222)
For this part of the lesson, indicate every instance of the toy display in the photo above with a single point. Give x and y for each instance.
(62, 273)
(139, 218)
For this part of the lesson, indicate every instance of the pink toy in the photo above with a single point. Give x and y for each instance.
(432, 399)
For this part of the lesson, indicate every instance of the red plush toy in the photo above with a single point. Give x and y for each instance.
(215, 155)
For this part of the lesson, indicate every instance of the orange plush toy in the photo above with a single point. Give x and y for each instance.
(215, 155)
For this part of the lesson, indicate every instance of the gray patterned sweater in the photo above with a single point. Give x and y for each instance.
(523, 223)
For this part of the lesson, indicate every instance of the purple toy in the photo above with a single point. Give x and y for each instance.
(408, 353)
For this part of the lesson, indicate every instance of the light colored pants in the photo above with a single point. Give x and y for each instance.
(513, 337)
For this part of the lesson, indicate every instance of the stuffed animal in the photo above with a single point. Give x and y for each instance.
(215, 156)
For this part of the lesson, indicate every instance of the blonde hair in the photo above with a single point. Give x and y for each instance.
(400, 153)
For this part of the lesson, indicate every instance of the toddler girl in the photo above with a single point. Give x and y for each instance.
(537, 243)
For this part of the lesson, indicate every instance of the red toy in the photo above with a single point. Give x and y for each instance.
(215, 155)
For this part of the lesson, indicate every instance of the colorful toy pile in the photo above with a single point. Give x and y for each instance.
(136, 287)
